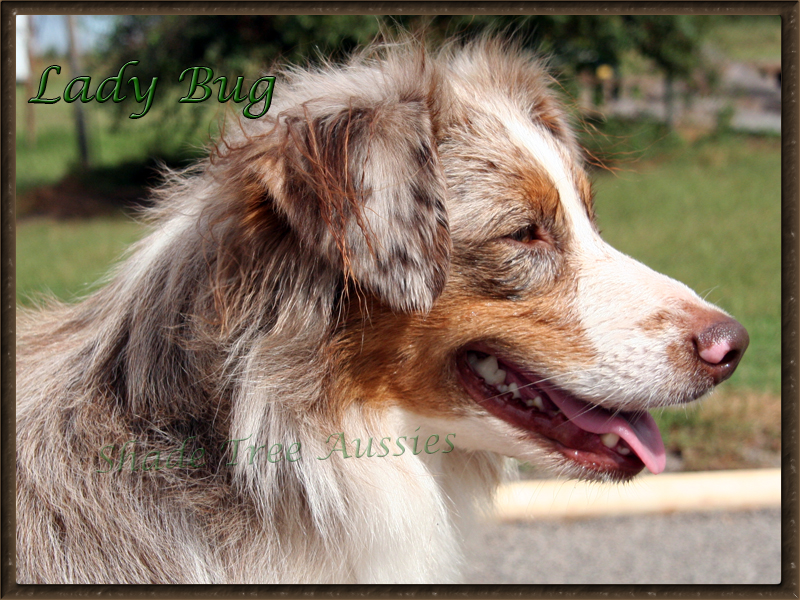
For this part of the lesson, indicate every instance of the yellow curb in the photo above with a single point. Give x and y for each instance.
(713, 490)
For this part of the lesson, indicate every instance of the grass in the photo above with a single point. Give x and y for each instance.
(112, 141)
(67, 259)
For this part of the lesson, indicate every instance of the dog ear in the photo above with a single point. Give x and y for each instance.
(362, 185)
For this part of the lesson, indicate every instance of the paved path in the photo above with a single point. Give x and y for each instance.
(698, 548)
(753, 95)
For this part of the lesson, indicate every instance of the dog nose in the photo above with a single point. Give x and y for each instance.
(720, 347)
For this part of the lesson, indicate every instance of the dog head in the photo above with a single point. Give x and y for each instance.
(451, 191)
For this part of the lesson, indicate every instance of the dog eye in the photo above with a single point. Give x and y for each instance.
(529, 235)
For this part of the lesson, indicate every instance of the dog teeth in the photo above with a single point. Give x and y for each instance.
(609, 439)
(488, 369)
(538, 403)
(624, 451)
(503, 388)
(496, 378)
(514, 389)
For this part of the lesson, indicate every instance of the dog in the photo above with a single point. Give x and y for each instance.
(340, 323)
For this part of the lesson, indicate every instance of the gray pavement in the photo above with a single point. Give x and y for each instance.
(679, 548)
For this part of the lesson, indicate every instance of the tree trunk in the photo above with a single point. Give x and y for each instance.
(75, 67)
(30, 115)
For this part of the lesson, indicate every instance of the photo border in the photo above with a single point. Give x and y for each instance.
(788, 588)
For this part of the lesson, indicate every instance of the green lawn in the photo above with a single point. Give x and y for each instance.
(68, 258)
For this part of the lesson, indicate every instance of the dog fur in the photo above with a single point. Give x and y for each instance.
(318, 274)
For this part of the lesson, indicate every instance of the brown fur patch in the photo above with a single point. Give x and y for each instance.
(683, 315)
(548, 113)
(410, 359)
(540, 191)
(585, 193)
(657, 321)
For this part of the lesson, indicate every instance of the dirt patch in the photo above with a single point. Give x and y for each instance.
(72, 198)
(729, 430)
(100, 191)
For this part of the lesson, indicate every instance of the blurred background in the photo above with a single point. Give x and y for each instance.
(679, 116)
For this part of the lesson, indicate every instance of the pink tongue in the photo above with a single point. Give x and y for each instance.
(639, 431)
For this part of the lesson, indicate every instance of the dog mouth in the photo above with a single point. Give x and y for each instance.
(607, 442)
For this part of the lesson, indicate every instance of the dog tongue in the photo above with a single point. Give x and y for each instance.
(638, 430)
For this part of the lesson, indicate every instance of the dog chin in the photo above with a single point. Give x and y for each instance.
(554, 428)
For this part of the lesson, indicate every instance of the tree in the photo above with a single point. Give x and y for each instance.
(249, 44)
(241, 44)
(232, 45)
(74, 65)
(570, 42)
(673, 43)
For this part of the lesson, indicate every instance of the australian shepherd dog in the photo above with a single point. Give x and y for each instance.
(311, 368)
